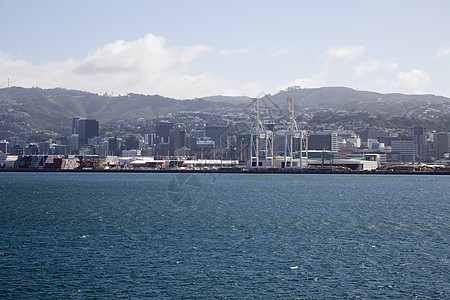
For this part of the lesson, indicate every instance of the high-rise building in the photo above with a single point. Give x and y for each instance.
(86, 129)
(73, 143)
(441, 143)
(218, 134)
(163, 131)
(76, 125)
(323, 141)
(177, 140)
(114, 146)
(404, 146)
(103, 148)
(419, 135)
(150, 139)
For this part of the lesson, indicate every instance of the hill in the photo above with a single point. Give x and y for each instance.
(35, 111)
(342, 98)
(51, 110)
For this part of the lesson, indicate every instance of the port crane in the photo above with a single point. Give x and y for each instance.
(261, 142)
(294, 141)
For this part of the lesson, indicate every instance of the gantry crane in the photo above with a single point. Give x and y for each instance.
(261, 142)
(292, 136)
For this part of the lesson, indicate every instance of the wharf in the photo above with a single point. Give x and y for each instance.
(236, 171)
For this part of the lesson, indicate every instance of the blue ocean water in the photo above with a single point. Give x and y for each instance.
(215, 236)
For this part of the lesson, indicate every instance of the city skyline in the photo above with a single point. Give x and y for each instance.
(194, 49)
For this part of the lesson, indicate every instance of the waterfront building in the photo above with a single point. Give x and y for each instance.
(441, 144)
(404, 147)
(419, 135)
(323, 141)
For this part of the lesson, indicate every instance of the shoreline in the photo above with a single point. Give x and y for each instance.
(231, 171)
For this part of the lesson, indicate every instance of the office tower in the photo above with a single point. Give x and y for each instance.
(218, 134)
(73, 143)
(441, 143)
(76, 125)
(177, 140)
(163, 131)
(103, 148)
(419, 135)
(86, 129)
(404, 146)
(114, 146)
(323, 141)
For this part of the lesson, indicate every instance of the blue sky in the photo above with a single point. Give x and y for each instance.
(186, 49)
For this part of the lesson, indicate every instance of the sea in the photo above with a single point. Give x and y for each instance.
(223, 236)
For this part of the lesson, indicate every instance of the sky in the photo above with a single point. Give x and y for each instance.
(195, 48)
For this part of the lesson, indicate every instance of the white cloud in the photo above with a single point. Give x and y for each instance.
(412, 82)
(443, 52)
(348, 52)
(147, 65)
(230, 52)
(373, 66)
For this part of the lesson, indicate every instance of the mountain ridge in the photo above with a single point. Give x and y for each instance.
(28, 109)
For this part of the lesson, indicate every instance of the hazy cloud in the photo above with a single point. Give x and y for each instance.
(317, 80)
(230, 52)
(443, 52)
(373, 66)
(277, 51)
(414, 81)
(349, 52)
